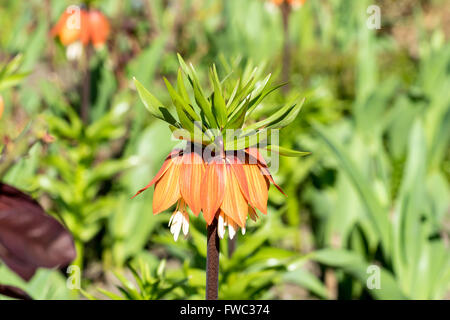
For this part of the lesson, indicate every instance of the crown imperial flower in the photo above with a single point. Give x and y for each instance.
(86, 26)
(222, 175)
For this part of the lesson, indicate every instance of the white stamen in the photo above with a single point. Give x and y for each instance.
(221, 226)
(175, 227)
(232, 229)
(74, 51)
(243, 231)
(185, 223)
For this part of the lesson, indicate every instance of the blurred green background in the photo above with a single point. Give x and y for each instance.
(368, 212)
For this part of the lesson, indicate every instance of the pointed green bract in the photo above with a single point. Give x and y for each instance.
(186, 123)
(247, 141)
(204, 105)
(286, 151)
(153, 105)
(226, 108)
(219, 106)
(181, 87)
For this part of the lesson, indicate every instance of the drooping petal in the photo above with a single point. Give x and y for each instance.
(98, 28)
(252, 213)
(257, 187)
(212, 189)
(167, 163)
(68, 32)
(237, 166)
(167, 189)
(60, 24)
(234, 204)
(256, 157)
(265, 171)
(192, 171)
(85, 32)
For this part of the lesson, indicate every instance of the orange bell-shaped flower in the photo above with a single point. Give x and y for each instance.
(226, 187)
(86, 26)
(98, 28)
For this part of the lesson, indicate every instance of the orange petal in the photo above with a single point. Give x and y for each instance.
(60, 24)
(255, 154)
(167, 189)
(252, 213)
(234, 204)
(98, 27)
(192, 171)
(85, 32)
(239, 172)
(257, 187)
(165, 166)
(265, 171)
(212, 190)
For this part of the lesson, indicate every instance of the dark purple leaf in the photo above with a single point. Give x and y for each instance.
(14, 292)
(29, 238)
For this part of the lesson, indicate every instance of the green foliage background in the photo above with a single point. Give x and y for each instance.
(374, 191)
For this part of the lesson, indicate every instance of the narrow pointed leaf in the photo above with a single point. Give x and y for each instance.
(204, 105)
(219, 106)
(181, 87)
(250, 140)
(288, 118)
(286, 151)
(153, 105)
(185, 121)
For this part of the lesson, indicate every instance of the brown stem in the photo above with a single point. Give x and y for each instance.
(231, 247)
(285, 12)
(86, 89)
(212, 262)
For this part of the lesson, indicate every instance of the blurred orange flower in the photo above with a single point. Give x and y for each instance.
(291, 2)
(228, 188)
(90, 26)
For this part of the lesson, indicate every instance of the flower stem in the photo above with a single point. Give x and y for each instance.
(285, 12)
(212, 262)
(231, 246)
(86, 87)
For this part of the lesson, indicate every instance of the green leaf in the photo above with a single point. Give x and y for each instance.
(110, 295)
(204, 104)
(354, 265)
(279, 119)
(183, 65)
(237, 120)
(153, 105)
(239, 143)
(11, 66)
(219, 107)
(377, 213)
(185, 121)
(233, 95)
(286, 151)
(308, 281)
(181, 87)
(242, 94)
(12, 80)
(288, 118)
